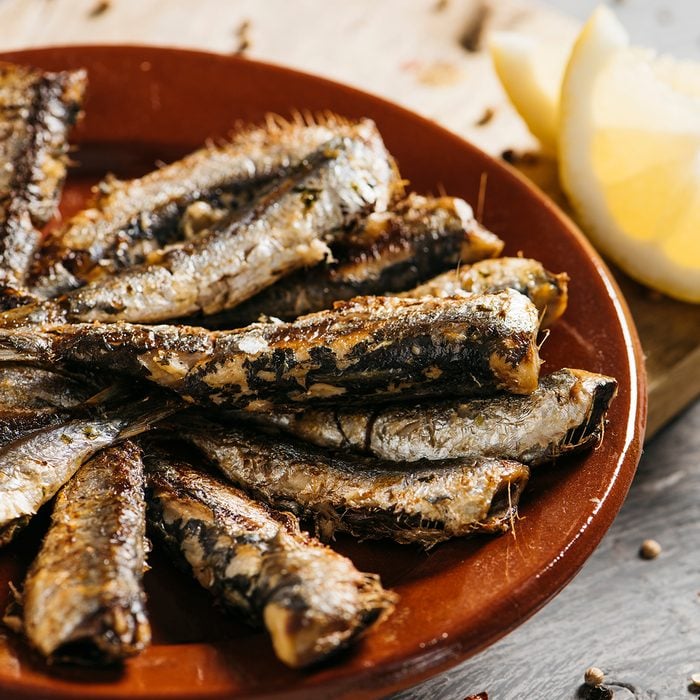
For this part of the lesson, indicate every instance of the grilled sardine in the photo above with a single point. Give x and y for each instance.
(547, 291)
(83, 599)
(36, 112)
(390, 252)
(367, 349)
(258, 563)
(33, 468)
(130, 220)
(424, 502)
(285, 229)
(565, 413)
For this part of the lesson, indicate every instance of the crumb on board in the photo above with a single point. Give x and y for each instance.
(695, 680)
(486, 116)
(440, 5)
(440, 74)
(650, 549)
(242, 34)
(99, 8)
(473, 32)
(479, 696)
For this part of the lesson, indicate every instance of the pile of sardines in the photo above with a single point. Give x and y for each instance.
(265, 333)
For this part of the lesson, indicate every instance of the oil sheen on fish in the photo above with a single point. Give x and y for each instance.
(547, 291)
(565, 413)
(33, 468)
(367, 349)
(258, 563)
(285, 229)
(37, 110)
(391, 251)
(423, 502)
(83, 599)
(130, 220)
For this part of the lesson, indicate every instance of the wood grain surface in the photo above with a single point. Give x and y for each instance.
(637, 620)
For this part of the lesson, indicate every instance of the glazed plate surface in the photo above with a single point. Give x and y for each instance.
(147, 105)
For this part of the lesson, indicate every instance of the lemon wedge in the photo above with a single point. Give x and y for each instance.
(629, 155)
(531, 73)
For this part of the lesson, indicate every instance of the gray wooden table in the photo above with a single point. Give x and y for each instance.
(637, 620)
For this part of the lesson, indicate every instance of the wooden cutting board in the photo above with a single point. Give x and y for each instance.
(427, 55)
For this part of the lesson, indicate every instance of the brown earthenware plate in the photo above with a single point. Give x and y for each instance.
(147, 105)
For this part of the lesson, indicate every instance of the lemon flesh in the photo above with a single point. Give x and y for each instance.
(629, 151)
(531, 73)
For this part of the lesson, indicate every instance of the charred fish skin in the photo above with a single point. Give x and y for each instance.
(391, 251)
(33, 468)
(424, 502)
(564, 414)
(37, 110)
(547, 291)
(83, 596)
(284, 230)
(140, 213)
(256, 561)
(371, 348)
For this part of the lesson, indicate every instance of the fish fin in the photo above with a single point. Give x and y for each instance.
(146, 413)
(13, 617)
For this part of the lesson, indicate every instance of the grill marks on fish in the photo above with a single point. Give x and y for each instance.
(369, 348)
(36, 112)
(564, 414)
(390, 252)
(547, 291)
(133, 219)
(83, 599)
(33, 468)
(258, 563)
(424, 502)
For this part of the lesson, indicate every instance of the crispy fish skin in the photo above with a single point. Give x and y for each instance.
(391, 251)
(258, 563)
(424, 502)
(33, 468)
(135, 214)
(373, 348)
(37, 110)
(564, 414)
(287, 228)
(547, 291)
(83, 596)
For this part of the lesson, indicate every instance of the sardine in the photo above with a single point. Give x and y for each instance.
(258, 563)
(33, 468)
(37, 110)
(286, 228)
(565, 413)
(367, 349)
(133, 219)
(547, 291)
(390, 252)
(83, 599)
(424, 502)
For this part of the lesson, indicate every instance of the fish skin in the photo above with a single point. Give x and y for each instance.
(390, 251)
(547, 291)
(30, 387)
(130, 220)
(33, 468)
(564, 414)
(83, 599)
(422, 502)
(37, 110)
(367, 349)
(258, 563)
(286, 228)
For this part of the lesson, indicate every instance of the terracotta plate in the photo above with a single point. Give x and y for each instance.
(148, 104)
